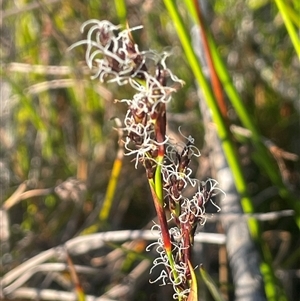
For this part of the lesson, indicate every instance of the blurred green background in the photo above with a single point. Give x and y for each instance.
(57, 125)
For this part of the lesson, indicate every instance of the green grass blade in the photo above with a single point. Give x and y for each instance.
(121, 10)
(283, 9)
(210, 284)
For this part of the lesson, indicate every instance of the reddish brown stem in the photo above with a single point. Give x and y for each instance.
(186, 232)
(162, 221)
(215, 81)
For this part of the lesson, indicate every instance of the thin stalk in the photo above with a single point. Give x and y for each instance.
(74, 276)
(158, 180)
(283, 9)
(111, 189)
(121, 10)
(158, 203)
(193, 296)
(215, 81)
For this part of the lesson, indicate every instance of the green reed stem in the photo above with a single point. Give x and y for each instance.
(284, 11)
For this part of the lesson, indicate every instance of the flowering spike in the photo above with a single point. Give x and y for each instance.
(113, 56)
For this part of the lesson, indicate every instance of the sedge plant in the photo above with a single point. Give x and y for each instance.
(114, 57)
